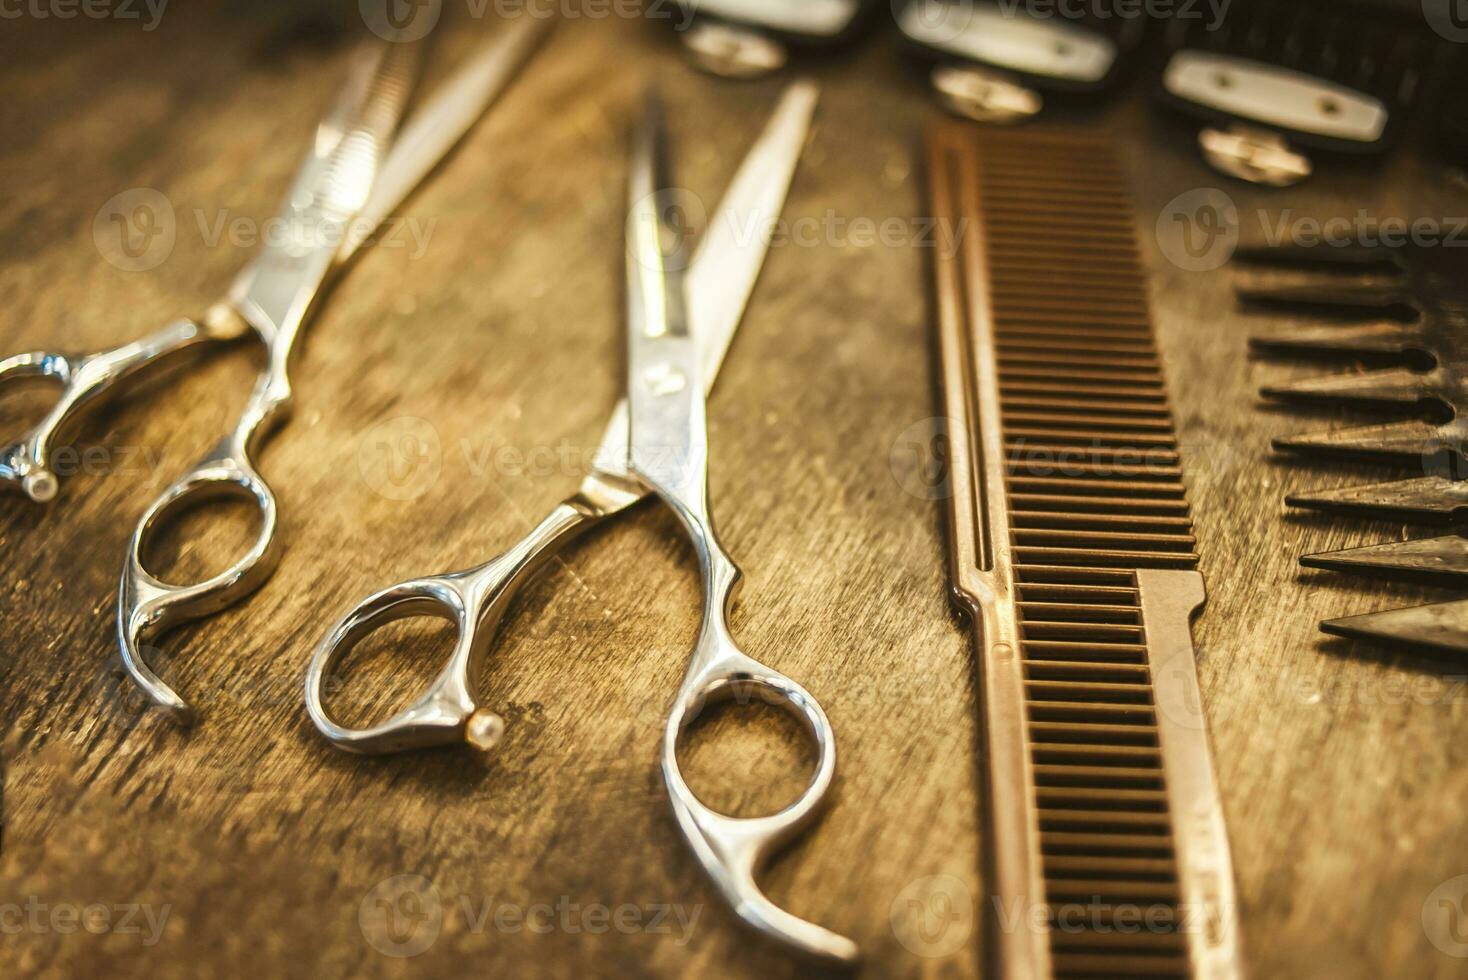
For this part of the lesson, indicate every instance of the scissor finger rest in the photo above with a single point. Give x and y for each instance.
(446, 712)
(733, 849)
(149, 607)
(85, 381)
(474, 602)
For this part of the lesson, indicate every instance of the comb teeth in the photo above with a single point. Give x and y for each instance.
(1367, 339)
(1396, 443)
(1344, 298)
(1427, 290)
(1442, 560)
(1398, 388)
(1425, 500)
(1442, 626)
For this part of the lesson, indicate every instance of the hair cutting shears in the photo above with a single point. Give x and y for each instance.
(678, 336)
(359, 167)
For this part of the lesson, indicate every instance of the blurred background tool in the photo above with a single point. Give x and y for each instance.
(1275, 82)
(752, 38)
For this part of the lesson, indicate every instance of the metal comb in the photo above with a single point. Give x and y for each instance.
(1404, 310)
(1072, 550)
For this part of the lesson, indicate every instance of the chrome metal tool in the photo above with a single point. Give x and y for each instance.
(752, 38)
(1072, 550)
(994, 60)
(681, 321)
(357, 169)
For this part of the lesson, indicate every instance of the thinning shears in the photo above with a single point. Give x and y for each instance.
(358, 169)
(676, 346)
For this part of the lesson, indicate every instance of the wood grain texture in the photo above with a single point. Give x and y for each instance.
(1342, 767)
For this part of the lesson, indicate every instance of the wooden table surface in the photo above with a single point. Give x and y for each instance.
(452, 389)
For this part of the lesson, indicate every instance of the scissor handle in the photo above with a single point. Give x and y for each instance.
(733, 849)
(86, 381)
(148, 607)
(473, 601)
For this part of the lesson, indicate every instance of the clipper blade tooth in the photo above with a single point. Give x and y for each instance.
(1441, 626)
(1407, 443)
(1366, 339)
(1424, 499)
(1397, 388)
(1443, 559)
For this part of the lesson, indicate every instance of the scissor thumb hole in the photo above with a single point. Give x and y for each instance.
(745, 750)
(387, 661)
(204, 532)
(28, 392)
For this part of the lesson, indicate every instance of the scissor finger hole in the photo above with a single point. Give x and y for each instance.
(745, 754)
(24, 402)
(390, 663)
(202, 534)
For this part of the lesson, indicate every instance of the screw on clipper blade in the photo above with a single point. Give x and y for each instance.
(1274, 83)
(1403, 312)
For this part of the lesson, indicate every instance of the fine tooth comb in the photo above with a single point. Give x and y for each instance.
(1072, 550)
(994, 58)
(1404, 311)
(1275, 79)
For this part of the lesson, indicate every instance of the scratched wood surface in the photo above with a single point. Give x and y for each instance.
(452, 388)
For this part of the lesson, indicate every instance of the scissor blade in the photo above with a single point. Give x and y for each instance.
(729, 257)
(444, 120)
(330, 190)
(733, 249)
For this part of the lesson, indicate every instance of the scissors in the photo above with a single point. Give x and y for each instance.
(676, 353)
(354, 174)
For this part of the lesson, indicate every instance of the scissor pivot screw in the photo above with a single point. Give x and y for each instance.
(40, 487)
(485, 729)
(664, 379)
